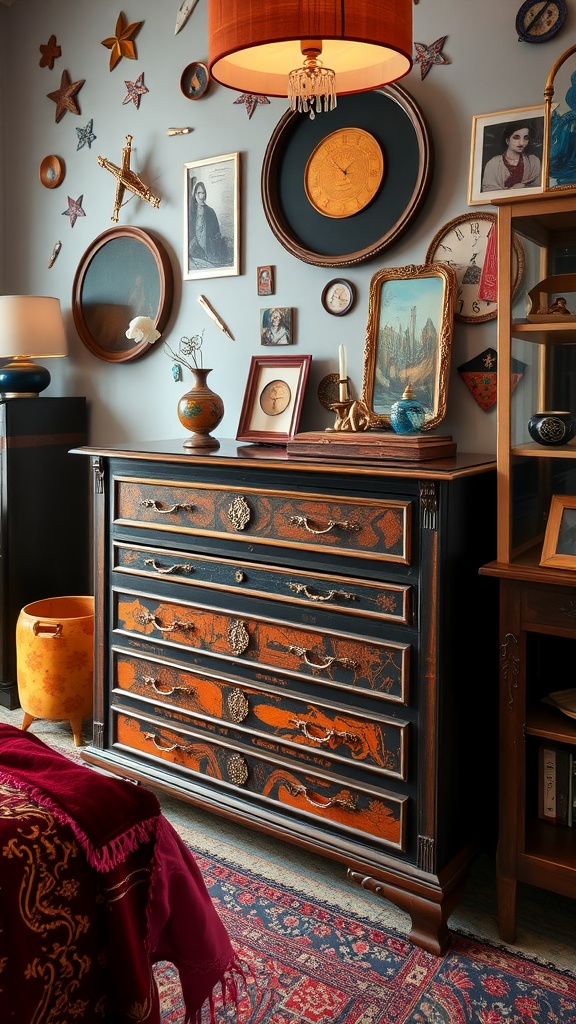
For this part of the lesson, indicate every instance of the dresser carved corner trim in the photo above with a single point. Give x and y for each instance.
(98, 474)
(428, 505)
(426, 853)
(510, 665)
(98, 735)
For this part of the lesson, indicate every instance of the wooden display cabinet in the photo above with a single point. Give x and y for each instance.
(537, 602)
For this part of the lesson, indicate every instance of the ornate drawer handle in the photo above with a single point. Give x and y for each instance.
(148, 617)
(167, 750)
(238, 636)
(344, 524)
(237, 769)
(329, 734)
(238, 705)
(336, 801)
(301, 588)
(157, 506)
(153, 682)
(303, 653)
(164, 570)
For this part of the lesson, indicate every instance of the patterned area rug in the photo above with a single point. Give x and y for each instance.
(307, 963)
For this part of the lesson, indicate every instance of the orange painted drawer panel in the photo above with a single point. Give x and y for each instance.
(328, 656)
(323, 796)
(378, 744)
(363, 527)
(387, 601)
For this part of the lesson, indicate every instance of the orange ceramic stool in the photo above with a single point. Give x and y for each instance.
(54, 657)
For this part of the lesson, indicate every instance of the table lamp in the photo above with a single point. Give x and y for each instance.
(31, 327)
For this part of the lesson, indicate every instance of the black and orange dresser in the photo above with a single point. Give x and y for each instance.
(305, 648)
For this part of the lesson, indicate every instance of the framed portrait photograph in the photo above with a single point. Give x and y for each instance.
(409, 340)
(212, 217)
(276, 326)
(273, 399)
(265, 280)
(559, 547)
(506, 154)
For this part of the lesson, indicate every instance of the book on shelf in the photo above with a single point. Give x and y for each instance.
(557, 784)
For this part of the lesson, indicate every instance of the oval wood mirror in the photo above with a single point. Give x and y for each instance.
(124, 273)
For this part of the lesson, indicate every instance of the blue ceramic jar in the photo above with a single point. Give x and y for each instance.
(552, 428)
(407, 415)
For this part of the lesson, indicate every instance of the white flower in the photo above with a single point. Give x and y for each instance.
(142, 328)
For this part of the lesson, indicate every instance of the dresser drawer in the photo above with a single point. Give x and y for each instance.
(362, 527)
(549, 609)
(328, 656)
(319, 795)
(390, 602)
(374, 742)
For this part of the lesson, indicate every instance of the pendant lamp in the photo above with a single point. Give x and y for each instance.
(309, 50)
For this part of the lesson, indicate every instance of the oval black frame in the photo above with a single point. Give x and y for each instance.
(393, 117)
(348, 306)
(165, 286)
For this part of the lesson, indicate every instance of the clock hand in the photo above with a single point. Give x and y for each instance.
(338, 166)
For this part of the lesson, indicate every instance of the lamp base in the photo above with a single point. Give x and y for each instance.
(22, 378)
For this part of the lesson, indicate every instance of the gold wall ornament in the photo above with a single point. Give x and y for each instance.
(126, 179)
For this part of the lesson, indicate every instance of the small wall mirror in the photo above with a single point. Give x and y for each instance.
(409, 340)
(124, 273)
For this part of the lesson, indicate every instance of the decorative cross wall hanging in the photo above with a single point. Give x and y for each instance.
(127, 179)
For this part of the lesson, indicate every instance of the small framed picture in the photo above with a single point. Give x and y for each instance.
(273, 399)
(559, 548)
(212, 217)
(265, 280)
(338, 296)
(506, 154)
(276, 326)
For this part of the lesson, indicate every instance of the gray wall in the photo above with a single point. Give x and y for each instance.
(489, 71)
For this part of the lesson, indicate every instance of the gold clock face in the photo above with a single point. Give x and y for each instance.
(344, 172)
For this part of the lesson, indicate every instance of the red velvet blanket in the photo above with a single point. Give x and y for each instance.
(95, 887)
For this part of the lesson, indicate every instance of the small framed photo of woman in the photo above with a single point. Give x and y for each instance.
(506, 154)
(276, 325)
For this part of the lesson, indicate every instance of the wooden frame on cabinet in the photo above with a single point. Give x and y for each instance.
(559, 548)
(409, 339)
(273, 399)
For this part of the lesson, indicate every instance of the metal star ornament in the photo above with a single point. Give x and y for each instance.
(135, 91)
(64, 97)
(74, 210)
(85, 136)
(426, 56)
(121, 44)
(50, 51)
(251, 102)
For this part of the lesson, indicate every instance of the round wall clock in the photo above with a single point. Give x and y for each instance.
(292, 198)
(536, 22)
(464, 244)
(344, 172)
(338, 296)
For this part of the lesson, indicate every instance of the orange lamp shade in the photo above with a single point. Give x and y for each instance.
(255, 44)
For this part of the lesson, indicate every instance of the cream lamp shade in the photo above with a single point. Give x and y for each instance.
(309, 50)
(31, 327)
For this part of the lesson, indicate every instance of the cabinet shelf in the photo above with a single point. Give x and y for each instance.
(550, 724)
(538, 451)
(544, 334)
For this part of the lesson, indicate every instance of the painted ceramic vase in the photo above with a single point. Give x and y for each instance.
(200, 410)
(552, 428)
(407, 415)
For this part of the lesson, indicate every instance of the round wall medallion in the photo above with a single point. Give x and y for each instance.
(195, 80)
(52, 171)
(338, 296)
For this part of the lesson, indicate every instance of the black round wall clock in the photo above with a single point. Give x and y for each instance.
(392, 117)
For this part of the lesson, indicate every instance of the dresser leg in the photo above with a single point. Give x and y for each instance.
(506, 890)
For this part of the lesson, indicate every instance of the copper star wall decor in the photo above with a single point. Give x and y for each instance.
(426, 56)
(122, 45)
(251, 102)
(74, 210)
(50, 51)
(135, 91)
(64, 97)
(127, 179)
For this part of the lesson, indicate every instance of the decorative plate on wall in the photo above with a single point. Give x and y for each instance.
(52, 171)
(124, 273)
(394, 120)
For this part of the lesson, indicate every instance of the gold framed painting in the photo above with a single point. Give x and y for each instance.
(409, 340)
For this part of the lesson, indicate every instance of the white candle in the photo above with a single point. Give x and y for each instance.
(343, 382)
